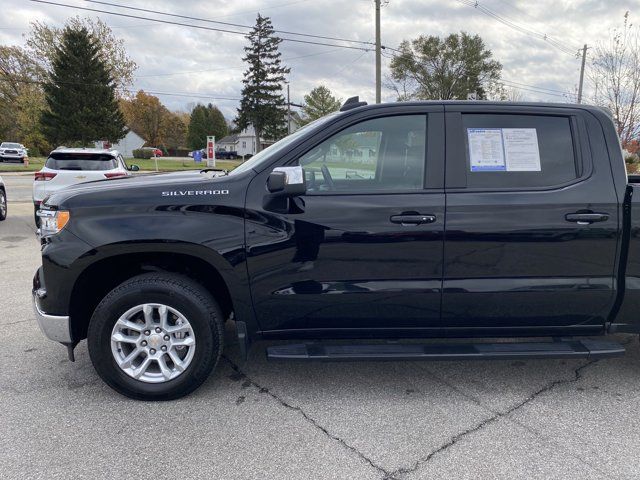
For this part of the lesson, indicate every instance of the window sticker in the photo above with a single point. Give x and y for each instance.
(486, 150)
(521, 149)
(503, 150)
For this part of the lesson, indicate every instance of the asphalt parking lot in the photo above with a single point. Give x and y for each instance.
(504, 419)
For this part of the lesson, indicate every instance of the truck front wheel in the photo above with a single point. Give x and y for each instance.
(156, 336)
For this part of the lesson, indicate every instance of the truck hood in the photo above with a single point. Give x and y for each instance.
(180, 181)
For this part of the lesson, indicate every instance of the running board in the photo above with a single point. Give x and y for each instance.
(433, 351)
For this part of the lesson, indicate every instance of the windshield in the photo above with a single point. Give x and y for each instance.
(10, 145)
(80, 161)
(265, 155)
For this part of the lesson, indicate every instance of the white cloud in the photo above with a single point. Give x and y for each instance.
(214, 60)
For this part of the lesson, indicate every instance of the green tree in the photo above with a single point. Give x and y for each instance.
(205, 121)
(175, 130)
(263, 104)
(29, 107)
(19, 76)
(80, 94)
(434, 68)
(43, 40)
(318, 103)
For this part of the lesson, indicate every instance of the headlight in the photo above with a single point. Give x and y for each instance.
(52, 221)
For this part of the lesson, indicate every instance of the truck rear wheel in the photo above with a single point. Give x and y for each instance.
(156, 336)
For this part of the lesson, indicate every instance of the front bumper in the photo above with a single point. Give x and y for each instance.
(11, 156)
(54, 327)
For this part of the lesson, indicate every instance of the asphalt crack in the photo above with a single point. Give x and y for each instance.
(386, 474)
(498, 415)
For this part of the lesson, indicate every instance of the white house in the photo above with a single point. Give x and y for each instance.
(244, 143)
(126, 146)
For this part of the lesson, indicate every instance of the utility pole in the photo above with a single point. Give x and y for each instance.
(378, 54)
(584, 57)
(288, 112)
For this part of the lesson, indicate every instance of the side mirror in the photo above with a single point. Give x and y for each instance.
(134, 168)
(287, 181)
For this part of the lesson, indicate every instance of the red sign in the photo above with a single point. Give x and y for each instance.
(210, 149)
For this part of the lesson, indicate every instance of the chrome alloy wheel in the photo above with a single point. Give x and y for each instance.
(153, 343)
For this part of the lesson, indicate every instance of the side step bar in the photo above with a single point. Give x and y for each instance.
(432, 351)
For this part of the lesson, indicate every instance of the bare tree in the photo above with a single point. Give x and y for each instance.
(615, 75)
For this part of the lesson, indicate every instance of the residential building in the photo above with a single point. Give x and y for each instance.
(126, 146)
(244, 143)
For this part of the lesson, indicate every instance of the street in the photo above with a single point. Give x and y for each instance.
(257, 419)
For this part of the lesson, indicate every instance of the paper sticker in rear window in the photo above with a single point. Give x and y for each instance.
(503, 149)
(521, 149)
(486, 150)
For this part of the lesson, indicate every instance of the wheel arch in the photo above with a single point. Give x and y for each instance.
(98, 278)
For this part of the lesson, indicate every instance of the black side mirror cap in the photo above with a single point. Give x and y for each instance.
(134, 168)
(287, 181)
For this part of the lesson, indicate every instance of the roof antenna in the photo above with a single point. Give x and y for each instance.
(352, 102)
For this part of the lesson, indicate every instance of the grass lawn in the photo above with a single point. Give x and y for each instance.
(36, 164)
(175, 165)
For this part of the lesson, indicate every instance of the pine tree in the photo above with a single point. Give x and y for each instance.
(205, 121)
(318, 103)
(80, 94)
(263, 104)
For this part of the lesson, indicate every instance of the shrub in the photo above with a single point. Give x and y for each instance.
(142, 153)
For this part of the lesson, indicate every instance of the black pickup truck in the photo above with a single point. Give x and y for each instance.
(353, 238)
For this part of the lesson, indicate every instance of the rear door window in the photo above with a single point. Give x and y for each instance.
(80, 161)
(519, 151)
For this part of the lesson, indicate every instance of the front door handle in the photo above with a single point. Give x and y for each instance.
(586, 218)
(412, 219)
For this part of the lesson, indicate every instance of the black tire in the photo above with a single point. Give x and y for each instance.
(3, 204)
(176, 291)
(36, 218)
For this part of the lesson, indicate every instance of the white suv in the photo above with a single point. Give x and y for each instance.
(69, 166)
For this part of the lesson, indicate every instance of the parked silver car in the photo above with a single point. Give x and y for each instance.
(10, 151)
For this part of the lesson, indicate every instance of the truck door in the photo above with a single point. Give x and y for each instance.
(363, 248)
(532, 223)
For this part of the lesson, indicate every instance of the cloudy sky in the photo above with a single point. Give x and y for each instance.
(197, 65)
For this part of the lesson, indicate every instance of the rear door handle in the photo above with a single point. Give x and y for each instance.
(413, 219)
(586, 218)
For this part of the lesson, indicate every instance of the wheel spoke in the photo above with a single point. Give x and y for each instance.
(121, 337)
(177, 361)
(148, 315)
(183, 342)
(164, 369)
(164, 315)
(128, 360)
(130, 325)
(177, 328)
(138, 372)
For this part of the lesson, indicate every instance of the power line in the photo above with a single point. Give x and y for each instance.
(201, 27)
(565, 48)
(535, 90)
(533, 86)
(211, 96)
(199, 19)
(231, 68)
